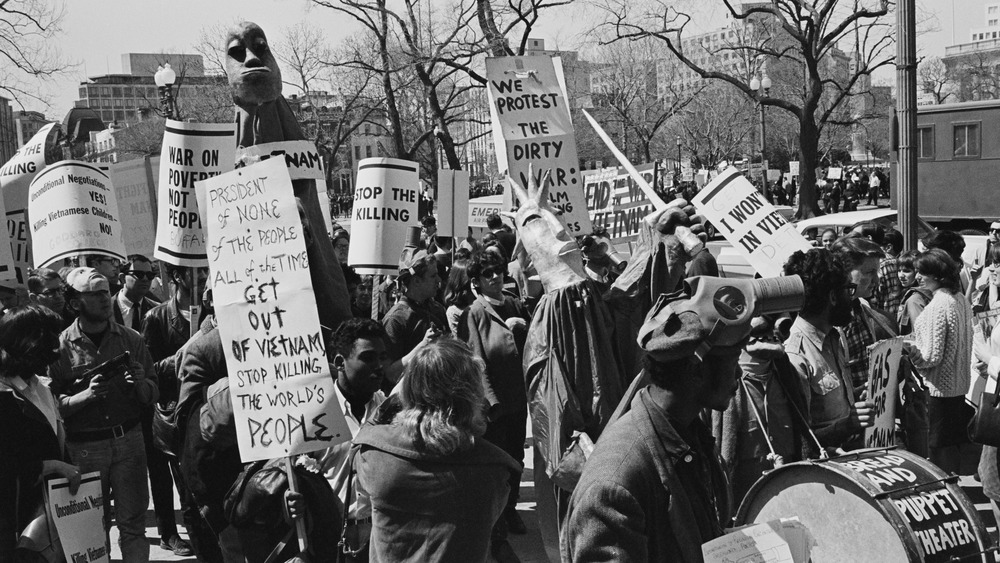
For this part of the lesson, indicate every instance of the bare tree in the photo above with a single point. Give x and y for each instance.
(796, 38)
(29, 48)
(716, 125)
(632, 80)
(935, 79)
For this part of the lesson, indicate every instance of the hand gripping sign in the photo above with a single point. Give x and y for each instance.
(282, 392)
(73, 209)
(191, 152)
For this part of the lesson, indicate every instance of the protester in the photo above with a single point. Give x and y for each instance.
(989, 296)
(132, 302)
(986, 351)
(102, 410)
(458, 293)
(913, 403)
(416, 315)
(495, 327)
(816, 351)
(941, 352)
(109, 268)
(428, 234)
(915, 297)
(165, 329)
(889, 293)
(32, 440)
(954, 244)
(46, 288)
(358, 359)
(626, 506)
(436, 487)
(860, 257)
(828, 237)
(506, 238)
(341, 245)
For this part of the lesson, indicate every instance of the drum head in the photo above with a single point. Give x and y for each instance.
(846, 521)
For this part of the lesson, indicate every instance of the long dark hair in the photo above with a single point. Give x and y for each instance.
(938, 263)
(458, 290)
(28, 337)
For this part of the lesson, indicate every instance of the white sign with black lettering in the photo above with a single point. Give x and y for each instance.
(282, 392)
(302, 158)
(79, 518)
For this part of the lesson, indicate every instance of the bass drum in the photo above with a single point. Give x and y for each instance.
(872, 505)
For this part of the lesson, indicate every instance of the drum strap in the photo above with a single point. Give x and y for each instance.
(760, 420)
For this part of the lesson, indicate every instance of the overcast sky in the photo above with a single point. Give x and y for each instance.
(97, 32)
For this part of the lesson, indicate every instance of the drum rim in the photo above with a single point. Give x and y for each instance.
(883, 504)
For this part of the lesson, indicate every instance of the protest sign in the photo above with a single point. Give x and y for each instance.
(749, 222)
(701, 178)
(834, 174)
(482, 207)
(280, 383)
(883, 381)
(135, 188)
(453, 203)
(79, 518)
(687, 170)
(385, 204)
(15, 177)
(616, 202)
(773, 174)
(532, 126)
(73, 209)
(302, 158)
(793, 167)
(191, 152)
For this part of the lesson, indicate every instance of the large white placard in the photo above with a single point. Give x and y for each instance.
(302, 158)
(749, 222)
(73, 209)
(135, 186)
(883, 381)
(79, 518)
(453, 203)
(385, 204)
(530, 114)
(15, 177)
(191, 152)
(282, 392)
(793, 167)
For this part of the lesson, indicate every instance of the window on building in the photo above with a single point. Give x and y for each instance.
(127, 91)
(116, 91)
(107, 115)
(966, 140)
(130, 103)
(925, 142)
(119, 115)
(117, 102)
(368, 129)
(106, 91)
(357, 153)
(368, 151)
(83, 92)
(130, 114)
(991, 10)
(105, 103)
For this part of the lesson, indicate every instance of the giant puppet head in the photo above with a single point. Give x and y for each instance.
(253, 72)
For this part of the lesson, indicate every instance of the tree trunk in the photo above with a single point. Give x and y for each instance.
(390, 97)
(808, 160)
(496, 40)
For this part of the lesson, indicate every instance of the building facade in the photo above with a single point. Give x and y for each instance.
(8, 131)
(27, 123)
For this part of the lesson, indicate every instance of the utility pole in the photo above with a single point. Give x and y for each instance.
(906, 111)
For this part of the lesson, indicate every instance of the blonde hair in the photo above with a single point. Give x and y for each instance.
(443, 398)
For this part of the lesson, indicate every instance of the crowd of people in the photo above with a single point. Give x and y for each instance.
(437, 385)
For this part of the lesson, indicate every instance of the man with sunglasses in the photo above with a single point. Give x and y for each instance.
(108, 267)
(132, 302)
(817, 354)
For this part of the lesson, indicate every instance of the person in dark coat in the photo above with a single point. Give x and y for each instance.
(436, 487)
(495, 327)
(653, 488)
(32, 441)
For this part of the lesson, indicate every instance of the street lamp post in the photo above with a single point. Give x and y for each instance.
(763, 89)
(677, 175)
(164, 79)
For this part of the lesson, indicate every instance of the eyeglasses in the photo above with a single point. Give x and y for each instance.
(850, 288)
(141, 275)
(491, 272)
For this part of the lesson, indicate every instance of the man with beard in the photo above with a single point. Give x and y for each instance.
(817, 355)
(101, 410)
